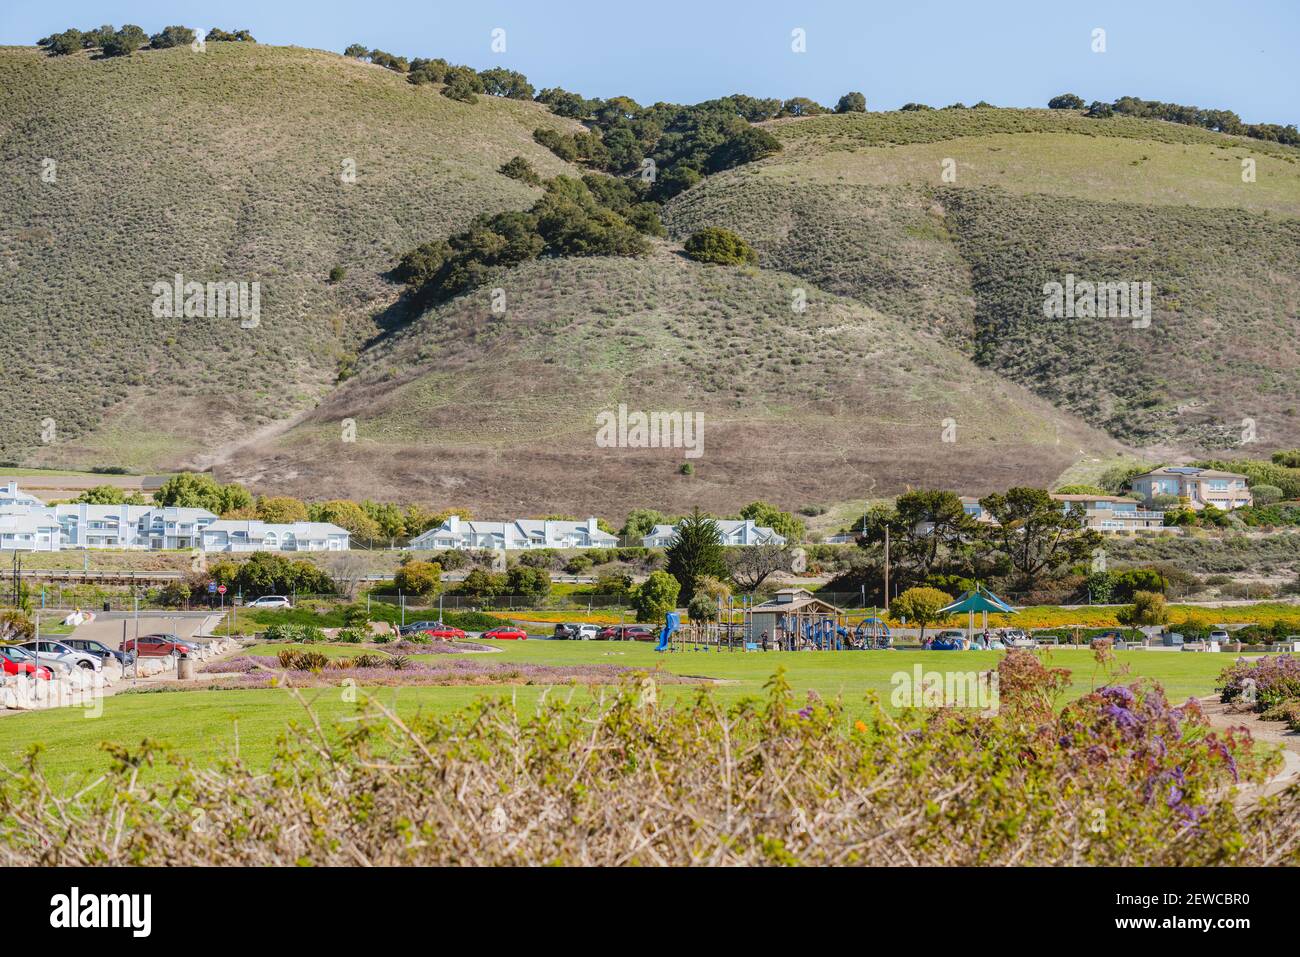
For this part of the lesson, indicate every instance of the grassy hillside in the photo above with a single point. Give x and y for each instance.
(500, 412)
(857, 204)
(925, 296)
(222, 165)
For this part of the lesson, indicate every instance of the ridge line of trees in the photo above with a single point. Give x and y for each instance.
(1219, 121)
(113, 42)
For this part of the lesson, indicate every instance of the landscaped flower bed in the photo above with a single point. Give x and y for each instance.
(312, 669)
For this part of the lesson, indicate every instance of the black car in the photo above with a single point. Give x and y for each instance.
(416, 627)
(93, 647)
(564, 631)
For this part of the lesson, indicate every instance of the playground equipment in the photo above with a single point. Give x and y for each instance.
(727, 631)
(872, 634)
(795, 620)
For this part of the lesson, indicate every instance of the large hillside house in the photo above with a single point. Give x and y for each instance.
(731, 532)
(522, 533)
(240, 535)
(1199, 487)
(1112, 513)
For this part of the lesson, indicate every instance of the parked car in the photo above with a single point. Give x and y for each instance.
(16, 660)
(627, 633)
(188, 644)
(1173, 639)
(1219, 635)
(587, 632)
(950, 640)
(564, 631)
(270, 601)
(93, 647)
(156, 646)
(506, 633)
(416, 627)
(47, 650)
(437, 629)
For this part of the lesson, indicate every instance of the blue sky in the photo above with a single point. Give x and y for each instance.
(1239, 56)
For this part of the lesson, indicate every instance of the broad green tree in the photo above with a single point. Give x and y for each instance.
(281, 509)
(920, 606)
(1037, 533)
(419, 578)
(655, 597)
(851, 103)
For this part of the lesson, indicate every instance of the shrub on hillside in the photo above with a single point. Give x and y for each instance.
(519, 168)
(1066, 101)
(217, 35)
(721, 247)
(463, 84)
(124, 42)
(567, 221)
(175, 36)
(851, 103)
(510, 84)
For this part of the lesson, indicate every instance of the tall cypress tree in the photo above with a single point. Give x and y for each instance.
(695, 551)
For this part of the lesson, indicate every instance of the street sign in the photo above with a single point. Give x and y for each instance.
(212, 588)
(221, 589)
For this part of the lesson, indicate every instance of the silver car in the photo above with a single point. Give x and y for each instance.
(56, 651)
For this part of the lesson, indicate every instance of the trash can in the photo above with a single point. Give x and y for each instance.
(108, 606)
(184, 666)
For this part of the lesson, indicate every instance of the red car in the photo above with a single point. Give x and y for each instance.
(17, 661)
(627, 633)
(507, 632)
(155, 646)
(444, 632)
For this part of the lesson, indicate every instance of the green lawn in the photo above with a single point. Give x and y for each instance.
(204, 725)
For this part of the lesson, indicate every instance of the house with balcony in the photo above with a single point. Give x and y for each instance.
(130, 526)
(248, 535)
(1199, 487)
(730, 532)
(1112, 513)
(34, 530)
(523, 533)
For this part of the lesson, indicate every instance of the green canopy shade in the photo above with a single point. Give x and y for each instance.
(979, 599)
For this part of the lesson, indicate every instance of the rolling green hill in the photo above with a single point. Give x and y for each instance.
(858, 205)
(224, 165)
(924, 295)
(499, 411)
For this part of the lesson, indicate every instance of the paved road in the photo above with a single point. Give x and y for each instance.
(109, 629)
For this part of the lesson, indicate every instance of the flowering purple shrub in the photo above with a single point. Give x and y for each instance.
(1261, 684)
(1159, 754)
(1118, 778)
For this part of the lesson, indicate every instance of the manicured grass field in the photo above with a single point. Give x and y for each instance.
(206, 725)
